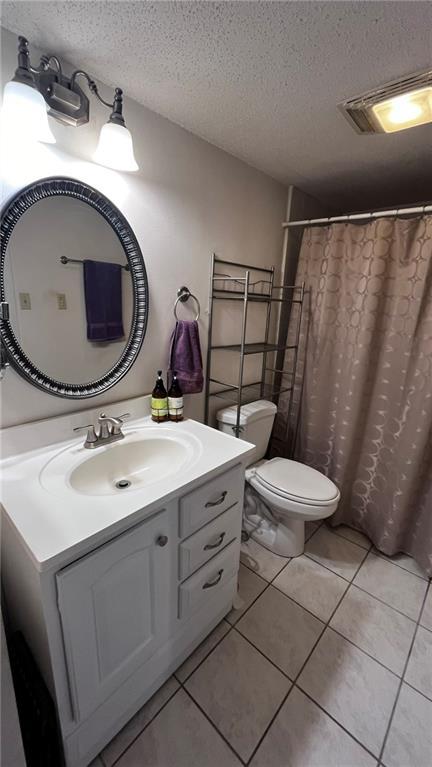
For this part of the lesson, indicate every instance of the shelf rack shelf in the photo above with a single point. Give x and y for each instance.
(259, 348)
(243, 287)
(250, 392)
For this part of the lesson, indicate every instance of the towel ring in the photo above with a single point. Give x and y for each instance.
(183, 294)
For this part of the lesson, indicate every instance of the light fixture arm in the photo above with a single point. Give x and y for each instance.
(116, 105)
(45, 64)
(91, 84)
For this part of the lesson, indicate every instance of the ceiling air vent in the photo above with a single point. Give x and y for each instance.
(393, 107)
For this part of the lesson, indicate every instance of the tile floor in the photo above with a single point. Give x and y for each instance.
(326, 661)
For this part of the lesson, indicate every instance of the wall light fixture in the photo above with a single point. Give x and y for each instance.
(35, 92)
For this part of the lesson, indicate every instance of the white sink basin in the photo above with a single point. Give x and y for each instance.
(142, 458)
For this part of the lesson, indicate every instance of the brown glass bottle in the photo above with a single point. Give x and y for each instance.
(159, 401)
(175, 400)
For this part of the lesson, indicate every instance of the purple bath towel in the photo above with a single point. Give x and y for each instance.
(185, 356)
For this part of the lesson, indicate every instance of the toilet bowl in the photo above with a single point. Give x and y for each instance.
(290, 494)
(280, 494)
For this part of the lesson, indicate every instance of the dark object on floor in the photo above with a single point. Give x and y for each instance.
(35, 708)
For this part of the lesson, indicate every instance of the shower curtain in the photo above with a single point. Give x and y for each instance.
(366, 409)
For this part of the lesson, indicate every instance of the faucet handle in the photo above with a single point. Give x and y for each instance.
(91, 433)
(118, 422)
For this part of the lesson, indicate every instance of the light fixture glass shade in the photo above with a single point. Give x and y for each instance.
(405, 111)
(24, 114)
(115, 148)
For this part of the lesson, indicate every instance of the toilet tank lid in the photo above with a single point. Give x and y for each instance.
(253, 411)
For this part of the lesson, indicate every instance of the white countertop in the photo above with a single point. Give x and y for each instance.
(56, 527)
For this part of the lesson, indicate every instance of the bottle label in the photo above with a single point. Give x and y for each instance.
(175, 405)
(159, 407)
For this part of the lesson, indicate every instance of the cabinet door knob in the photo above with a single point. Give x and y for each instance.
(162, 540)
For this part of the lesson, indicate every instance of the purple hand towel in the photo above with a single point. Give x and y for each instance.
(185, 356)
(103, 300)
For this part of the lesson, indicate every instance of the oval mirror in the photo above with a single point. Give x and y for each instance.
(73, 288)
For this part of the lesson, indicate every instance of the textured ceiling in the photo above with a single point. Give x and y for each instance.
(262, 80)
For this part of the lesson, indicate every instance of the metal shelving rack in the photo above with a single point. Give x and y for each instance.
(224, 287)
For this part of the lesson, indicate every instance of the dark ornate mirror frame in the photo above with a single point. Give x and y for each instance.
(15, 208)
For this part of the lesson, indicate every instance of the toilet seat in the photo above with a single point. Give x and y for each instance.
(295, 482)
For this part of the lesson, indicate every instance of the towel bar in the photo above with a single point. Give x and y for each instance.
(66, 260)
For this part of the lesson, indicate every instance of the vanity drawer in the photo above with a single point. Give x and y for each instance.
(204, 544)
(206, 583)
(206, 502)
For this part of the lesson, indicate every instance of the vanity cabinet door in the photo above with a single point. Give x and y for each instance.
(116, 607)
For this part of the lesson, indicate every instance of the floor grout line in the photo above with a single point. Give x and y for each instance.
(392, 713)
(288, 562)
(361, 587)
(332, 530)
(293, 682)
(144, 728)
(365, 652)
(335, 530)
(414, 620)
(327, 713)
(230, 628)
(272, 662)
(371, 550)
(423, 694)
(348, 580)
(388, 559)
(233, 627)
(326, 625)
(181, 684)
(255, 572)
(213, 725)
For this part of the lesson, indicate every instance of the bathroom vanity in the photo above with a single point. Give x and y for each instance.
(113, 587)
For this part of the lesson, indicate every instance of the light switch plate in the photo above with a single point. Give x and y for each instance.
(61, 301)
(24, 300)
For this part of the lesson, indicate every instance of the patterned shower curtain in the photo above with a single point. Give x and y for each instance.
(366, 412)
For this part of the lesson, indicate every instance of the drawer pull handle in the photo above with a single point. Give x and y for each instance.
(218, 501)
(210, 584)
(216, 545)
(162, 540)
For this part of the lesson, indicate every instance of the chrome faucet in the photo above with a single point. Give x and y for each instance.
(109, 430)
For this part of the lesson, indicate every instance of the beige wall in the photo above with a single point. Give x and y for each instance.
(189, 199)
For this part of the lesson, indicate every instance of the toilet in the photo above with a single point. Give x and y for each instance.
(285, 494)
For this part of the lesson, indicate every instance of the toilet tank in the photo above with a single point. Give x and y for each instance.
(256, 422)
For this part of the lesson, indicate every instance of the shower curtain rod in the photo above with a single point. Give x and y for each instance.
(359, 216)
